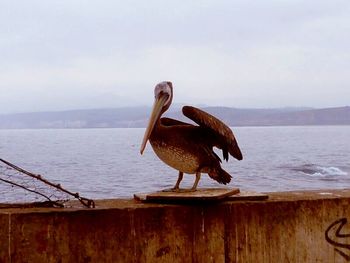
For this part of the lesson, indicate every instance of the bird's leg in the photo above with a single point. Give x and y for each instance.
(194, 187)
(179, 179)
(176, 188)
(198, 177)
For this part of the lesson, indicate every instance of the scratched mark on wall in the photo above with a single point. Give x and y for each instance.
(340, 241)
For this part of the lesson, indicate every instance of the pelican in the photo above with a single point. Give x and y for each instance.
(185, 147)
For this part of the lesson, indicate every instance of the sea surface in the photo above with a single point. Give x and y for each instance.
(106, 163)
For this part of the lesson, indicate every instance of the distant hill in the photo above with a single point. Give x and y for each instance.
(138, 117)
(283, 117)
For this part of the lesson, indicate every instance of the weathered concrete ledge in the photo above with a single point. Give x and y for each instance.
(288, 227)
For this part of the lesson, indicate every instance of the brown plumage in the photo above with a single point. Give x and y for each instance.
(189, 148)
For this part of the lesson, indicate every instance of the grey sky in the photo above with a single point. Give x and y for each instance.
(62, 54)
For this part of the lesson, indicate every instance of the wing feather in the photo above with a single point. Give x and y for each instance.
(226, 139)
(171, 122)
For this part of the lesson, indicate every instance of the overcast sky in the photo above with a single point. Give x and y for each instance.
(68, 54)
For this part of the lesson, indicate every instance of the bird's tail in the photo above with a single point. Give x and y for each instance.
(220, 175)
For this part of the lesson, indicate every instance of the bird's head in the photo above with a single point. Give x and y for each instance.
(164, 92)
(163, 96)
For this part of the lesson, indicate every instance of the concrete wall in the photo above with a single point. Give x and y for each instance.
(289, 227)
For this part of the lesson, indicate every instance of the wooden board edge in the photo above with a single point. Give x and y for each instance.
(148, 197)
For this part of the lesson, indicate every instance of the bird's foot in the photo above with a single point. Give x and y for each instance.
(178, 190)
(188, 190)
(174, 190)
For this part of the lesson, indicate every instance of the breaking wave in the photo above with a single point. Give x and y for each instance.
(319, 171)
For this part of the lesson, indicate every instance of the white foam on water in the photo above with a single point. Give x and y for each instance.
(321, 171)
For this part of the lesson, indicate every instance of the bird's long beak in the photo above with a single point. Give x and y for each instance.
(155, 115)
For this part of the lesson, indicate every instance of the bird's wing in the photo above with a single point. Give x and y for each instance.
(225, 138)
(171, 122)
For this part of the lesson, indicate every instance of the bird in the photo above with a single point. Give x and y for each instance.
(186, 147)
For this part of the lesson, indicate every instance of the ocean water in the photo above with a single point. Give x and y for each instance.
(106, 163)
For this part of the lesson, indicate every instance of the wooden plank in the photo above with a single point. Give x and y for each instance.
(203, 194)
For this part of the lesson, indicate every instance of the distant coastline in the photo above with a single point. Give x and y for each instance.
(137, 117)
